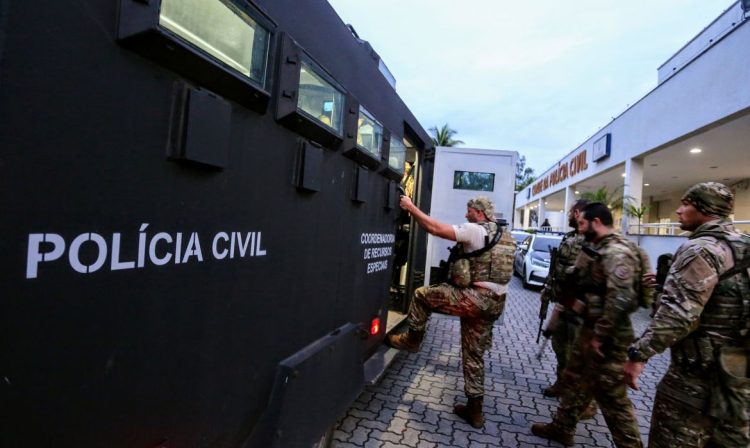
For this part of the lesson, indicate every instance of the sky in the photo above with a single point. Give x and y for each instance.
(538, 77)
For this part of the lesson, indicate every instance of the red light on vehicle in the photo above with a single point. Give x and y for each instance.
(375, 326)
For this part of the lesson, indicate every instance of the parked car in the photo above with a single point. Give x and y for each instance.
(519, 236)
(533, 257)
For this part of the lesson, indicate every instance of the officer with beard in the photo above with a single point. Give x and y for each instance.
(478, 302)
(704, 317)
(608, 274)
(565, 323)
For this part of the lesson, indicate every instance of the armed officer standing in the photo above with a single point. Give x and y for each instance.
(608, 274)
(704, 316)
(476, 293)
(565, 323)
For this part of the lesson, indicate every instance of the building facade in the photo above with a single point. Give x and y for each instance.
(694, 126)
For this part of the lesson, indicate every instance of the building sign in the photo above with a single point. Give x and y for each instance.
(601, 148)
(575, 165)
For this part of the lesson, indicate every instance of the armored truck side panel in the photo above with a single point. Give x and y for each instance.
(191, 256)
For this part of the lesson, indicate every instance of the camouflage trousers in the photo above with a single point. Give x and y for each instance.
(562, 339)
(589, 377)
(478, 309)
(676, 421)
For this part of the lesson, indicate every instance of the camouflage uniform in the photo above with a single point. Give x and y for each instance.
(701, 315)
(477, 307)
(565, 333)
(608, 285)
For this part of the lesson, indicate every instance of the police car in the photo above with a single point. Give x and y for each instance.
(532, 257)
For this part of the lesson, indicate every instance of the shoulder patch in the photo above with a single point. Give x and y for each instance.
(623, 271)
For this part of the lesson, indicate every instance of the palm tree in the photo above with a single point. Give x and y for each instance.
(444, 136)
(636, 211)
(614, 200)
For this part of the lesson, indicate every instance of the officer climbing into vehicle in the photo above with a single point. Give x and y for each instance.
(480, 266)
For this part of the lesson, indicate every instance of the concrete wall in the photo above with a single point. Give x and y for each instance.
(708, 37)
(657, 245)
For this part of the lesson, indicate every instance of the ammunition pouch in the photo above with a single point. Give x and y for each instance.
(730, 394)
(459, 273)
(695, 353)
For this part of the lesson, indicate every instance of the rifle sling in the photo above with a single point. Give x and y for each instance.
(478, 252)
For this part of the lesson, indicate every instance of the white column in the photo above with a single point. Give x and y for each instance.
(633, 190)
(526, 213)
(540, 213)
(517, 218)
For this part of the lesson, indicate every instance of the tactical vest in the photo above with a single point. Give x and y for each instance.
(593, 278)
(645, 295)
(494, 265)
(721, 344)
(728, 311)
(566, 256)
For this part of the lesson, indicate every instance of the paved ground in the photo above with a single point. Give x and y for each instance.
(413, 403)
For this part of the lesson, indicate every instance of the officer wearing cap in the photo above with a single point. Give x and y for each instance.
(703, 316)
(475, 292)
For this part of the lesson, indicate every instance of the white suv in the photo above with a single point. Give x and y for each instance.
(533, 257)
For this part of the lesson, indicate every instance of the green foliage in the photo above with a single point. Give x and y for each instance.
(524, 175)
(636, 211)
(444, 136)
(614, 200)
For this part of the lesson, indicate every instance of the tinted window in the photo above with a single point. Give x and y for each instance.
(319, 99)
(222, 30)
(369, 133)
(543, 244)
(397, 154)
(468, 180)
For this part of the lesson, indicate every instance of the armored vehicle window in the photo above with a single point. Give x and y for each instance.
(397, 154)
(222, 30)
(468, 180)
(319, 99)
(369, 133)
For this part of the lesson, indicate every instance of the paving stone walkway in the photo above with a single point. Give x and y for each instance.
(412, 405)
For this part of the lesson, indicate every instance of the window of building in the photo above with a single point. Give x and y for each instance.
(319, 99)
(222, 30)
(469, 180)
(369, 133)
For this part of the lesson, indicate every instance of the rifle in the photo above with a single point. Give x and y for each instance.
(547, 293)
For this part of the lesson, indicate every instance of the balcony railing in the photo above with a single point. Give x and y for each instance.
(673, 228)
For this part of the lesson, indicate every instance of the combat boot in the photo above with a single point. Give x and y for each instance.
(471, 412)
(552, 432)
(409, 340)
(554, 390)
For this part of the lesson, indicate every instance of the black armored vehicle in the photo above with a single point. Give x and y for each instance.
(201, 239)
